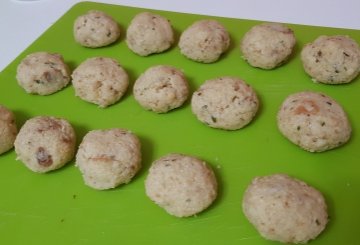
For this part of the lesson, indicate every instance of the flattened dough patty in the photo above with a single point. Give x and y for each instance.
(8, 129)
(45, 143)
(100, 80)
(108, 158)
(95, 29)
(182, 185)
(332, 59)
(314, 121)
(226, 103)
(204, 41)
(161, 89)
(43, 73)
(149, 33)
(268, 45)
(285, 209)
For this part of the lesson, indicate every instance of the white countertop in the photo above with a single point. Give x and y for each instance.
(21, 22)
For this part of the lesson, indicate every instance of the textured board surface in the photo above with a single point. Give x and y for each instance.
(57, 208)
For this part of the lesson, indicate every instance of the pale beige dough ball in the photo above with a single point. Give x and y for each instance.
(149, 33)
(332, 59)
(45, 143)
(43, 73)
(285, 209)
(314, 121)
(8, 129)
(204, 41)
(226, 103)
(182, 185)
(268, 45)
(100, 80)
(161, 89)
(95, 29)
(108, 158)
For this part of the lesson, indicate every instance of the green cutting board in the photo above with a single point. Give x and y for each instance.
(57, 208)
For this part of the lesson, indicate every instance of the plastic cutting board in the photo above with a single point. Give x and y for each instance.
(57, 208)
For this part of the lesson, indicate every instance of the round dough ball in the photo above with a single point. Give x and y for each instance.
(268, 45)
(161, 89)
(285, 209)
(204, 41)
(226, 103)
(45, 143)
(96, 29)
(8, 129)
(149, 33)
(313, 121)
(108, 158)
(182, 185)
(332, 59)
(43, 73)
(100, 80)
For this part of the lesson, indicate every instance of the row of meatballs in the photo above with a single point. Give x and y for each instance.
(183, 185)
(329, 59)
(311, 120)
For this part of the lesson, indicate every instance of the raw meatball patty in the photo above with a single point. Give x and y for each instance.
(225, 103)
(332, 59)
(8, 129)
(100, 80)
(108, 158)
(313, 121)
(149, 33)
(45, 143)
(96, 29)
(285, 209)
(161, 89)
(182, 185)
(43, 73)
(268, 45)
(204, 41)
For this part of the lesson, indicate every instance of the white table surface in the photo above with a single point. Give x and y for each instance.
(21, 22)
